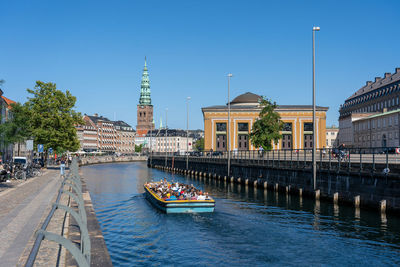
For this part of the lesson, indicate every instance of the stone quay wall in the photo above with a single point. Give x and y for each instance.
(109, 159)
(365, 189)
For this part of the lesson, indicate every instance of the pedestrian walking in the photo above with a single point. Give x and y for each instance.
(62, 167)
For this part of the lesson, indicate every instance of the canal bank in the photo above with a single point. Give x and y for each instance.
(83, 161)
(68, 233)
(362, 190)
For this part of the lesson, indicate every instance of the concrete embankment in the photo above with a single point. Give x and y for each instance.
(377, 192)
(99, 251)
(109, 159)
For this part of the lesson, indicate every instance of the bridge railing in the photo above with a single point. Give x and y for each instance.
(327, 158)
(80, 253)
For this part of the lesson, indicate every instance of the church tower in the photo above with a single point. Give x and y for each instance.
(145, 108)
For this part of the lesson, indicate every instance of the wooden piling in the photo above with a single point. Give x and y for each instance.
(335, 198)
(382, 205)
(317, 194)
(265, 185)
(357, 201)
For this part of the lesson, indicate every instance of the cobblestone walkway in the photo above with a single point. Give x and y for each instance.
(21, 209)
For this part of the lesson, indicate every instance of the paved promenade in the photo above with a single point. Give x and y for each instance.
(22, 205)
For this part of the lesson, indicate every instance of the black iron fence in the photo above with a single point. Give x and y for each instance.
(355, 159)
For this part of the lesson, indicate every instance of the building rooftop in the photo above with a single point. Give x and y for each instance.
(380, 114)
(8, 101)
(279, 107)
(379, 82)
(246, 98)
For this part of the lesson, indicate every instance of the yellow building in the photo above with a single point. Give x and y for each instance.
(245, 109)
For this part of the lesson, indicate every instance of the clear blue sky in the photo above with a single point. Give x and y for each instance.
(96, 50)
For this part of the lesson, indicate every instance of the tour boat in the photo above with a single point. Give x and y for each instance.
(179, 206)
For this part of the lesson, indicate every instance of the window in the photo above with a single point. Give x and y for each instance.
(390, 121)
(243, 127)
(308, 127)
(288, 127)
(221, 127)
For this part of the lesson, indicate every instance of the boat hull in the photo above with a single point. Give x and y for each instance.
(180, 206)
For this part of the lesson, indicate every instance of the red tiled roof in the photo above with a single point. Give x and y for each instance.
(8, 101)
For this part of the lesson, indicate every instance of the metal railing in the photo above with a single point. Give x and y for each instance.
(82, 253)
(327, 158)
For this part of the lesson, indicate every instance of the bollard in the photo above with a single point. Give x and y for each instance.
(317, 194)
(300, 192)
(336, 198)
(265, 185)
(383, 206)
(255, 183)
(276, 187)
(357, 201)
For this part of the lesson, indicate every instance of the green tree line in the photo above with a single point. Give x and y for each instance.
(48, 117)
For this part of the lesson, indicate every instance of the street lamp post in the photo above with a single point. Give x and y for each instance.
(314, 165)
(187, 132)
(166, 135)
(229, 125)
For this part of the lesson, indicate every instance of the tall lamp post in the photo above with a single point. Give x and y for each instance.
(314, 165)
(166, 135)
(187, 132)
(151, 142)
(229, 125)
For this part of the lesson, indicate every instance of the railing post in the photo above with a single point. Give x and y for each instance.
(387, 159)
(320, 159)
(360, 161)
(305, 158)
(330, 154)
(373, 160)
(291, 158)
(279, 157)
(349, 161)
(273, 158)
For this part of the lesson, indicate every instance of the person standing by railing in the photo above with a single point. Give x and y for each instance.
(62, 167)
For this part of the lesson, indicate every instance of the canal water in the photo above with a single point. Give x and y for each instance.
(250, 227)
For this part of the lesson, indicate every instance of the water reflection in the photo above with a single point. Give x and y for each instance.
(247, 220)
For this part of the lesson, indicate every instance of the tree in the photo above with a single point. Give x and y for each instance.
(268, 126)
(138, 148)
(199, 145)
(17, 128)
(53, 118)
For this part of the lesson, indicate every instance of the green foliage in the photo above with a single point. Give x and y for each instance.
(267, 128)
(53, 118)
(16, 129)
(199, 145)
(138, 148)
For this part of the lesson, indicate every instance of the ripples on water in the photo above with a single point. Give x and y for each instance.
(249, 227)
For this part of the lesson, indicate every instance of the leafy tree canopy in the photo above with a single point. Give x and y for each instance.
(53, 118)
(199, 145)
(138, 148)
(16, 129)
(268, 126)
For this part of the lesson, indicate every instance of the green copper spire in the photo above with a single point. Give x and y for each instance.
(145, 98)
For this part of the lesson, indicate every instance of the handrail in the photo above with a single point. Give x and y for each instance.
(82, 253)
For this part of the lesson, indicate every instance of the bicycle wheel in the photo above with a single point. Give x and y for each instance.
(20, 175)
